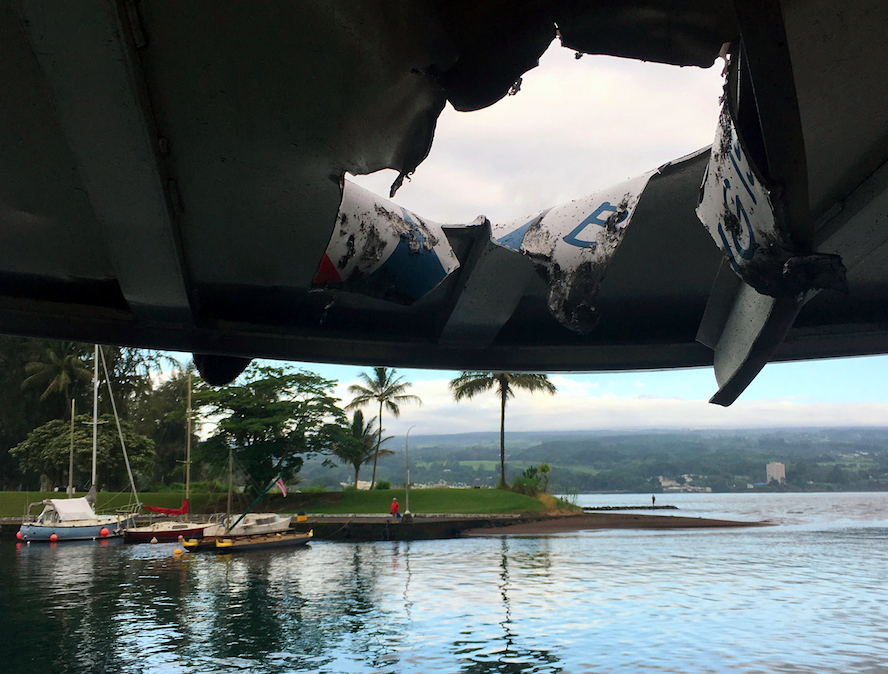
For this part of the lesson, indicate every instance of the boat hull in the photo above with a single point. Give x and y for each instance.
(74, 531)
(231, 544)
(169, 532)
(254, 524)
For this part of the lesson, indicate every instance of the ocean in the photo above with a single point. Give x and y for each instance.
(809, 594)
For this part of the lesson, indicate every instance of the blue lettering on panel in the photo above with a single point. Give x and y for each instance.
(748, 252)
(749, 178)
(593, 219)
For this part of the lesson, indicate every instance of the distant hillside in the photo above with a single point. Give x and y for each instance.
(584, 461)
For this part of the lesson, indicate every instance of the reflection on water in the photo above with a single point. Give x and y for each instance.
(808, 595)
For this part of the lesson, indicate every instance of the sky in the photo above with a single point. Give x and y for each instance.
(575, 127)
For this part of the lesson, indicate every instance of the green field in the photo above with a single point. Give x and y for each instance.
(12, 503)
(517, 466)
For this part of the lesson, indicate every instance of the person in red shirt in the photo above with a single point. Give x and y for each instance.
(396, 509)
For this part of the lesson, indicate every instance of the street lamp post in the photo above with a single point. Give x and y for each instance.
(407, 457)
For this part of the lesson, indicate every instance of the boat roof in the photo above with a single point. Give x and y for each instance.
(187, 203)
(70, 509)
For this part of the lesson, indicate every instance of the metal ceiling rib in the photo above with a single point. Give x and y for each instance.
(87, 59)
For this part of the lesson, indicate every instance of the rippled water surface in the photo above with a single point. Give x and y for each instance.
(807, 595)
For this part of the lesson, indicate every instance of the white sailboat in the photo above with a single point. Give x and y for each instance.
(73, 519)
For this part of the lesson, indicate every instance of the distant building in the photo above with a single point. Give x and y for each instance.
(775, 471)
(671, 486)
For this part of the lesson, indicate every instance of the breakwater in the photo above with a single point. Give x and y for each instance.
(592, 509)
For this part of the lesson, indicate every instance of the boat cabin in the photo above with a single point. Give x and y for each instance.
(57, 510)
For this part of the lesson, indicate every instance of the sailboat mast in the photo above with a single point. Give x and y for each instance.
(95, 413)
(70, 489)
(230, 480)
(188, 442)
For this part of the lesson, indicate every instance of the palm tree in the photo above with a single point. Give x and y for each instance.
(386, 389)
(357, 444)
(58, 366)
(469, 384)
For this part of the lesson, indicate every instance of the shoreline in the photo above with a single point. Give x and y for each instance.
(596, 521)
(377, 527)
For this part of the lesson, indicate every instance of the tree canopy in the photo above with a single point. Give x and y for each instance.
(44, 455)
(269, 418)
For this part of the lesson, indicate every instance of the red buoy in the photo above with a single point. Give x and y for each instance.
(18, 535)
(104, 531)
(53, 538)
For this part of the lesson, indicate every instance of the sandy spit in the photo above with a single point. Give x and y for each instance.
(589, 521)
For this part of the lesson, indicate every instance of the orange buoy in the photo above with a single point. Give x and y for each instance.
(53, 538)
(104, 531)
(177, 552)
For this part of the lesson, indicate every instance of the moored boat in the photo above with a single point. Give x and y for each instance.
(171, 530)
(167, 531)
(249, 529)
(74, 519)
(224, 544)
(250, 524)
(70, 520)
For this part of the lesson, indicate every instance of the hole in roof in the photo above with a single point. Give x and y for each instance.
(576, 126)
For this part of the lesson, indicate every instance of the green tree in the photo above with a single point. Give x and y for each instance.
(43, 456)
(130, 372)
(470, 384)
(21, 410)
(268, 418)
(160, 414)
(355, 444)
(386, 389)
(57, 368)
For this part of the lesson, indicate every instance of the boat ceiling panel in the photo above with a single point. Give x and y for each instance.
(228, 128)
(839, 52)
(47, 226)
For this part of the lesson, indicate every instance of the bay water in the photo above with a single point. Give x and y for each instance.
(809, 594)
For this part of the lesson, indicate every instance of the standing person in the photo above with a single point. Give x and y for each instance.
(396, 509)
(653, 501)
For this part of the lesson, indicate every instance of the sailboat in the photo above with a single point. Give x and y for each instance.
(73, 519)
(250, 531)
(171, 530)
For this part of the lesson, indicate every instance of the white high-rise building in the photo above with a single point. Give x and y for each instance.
(775, 471)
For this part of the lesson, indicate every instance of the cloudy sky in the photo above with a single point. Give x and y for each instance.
(575, 127)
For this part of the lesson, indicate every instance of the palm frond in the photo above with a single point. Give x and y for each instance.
(470, 384)
(531, 382)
